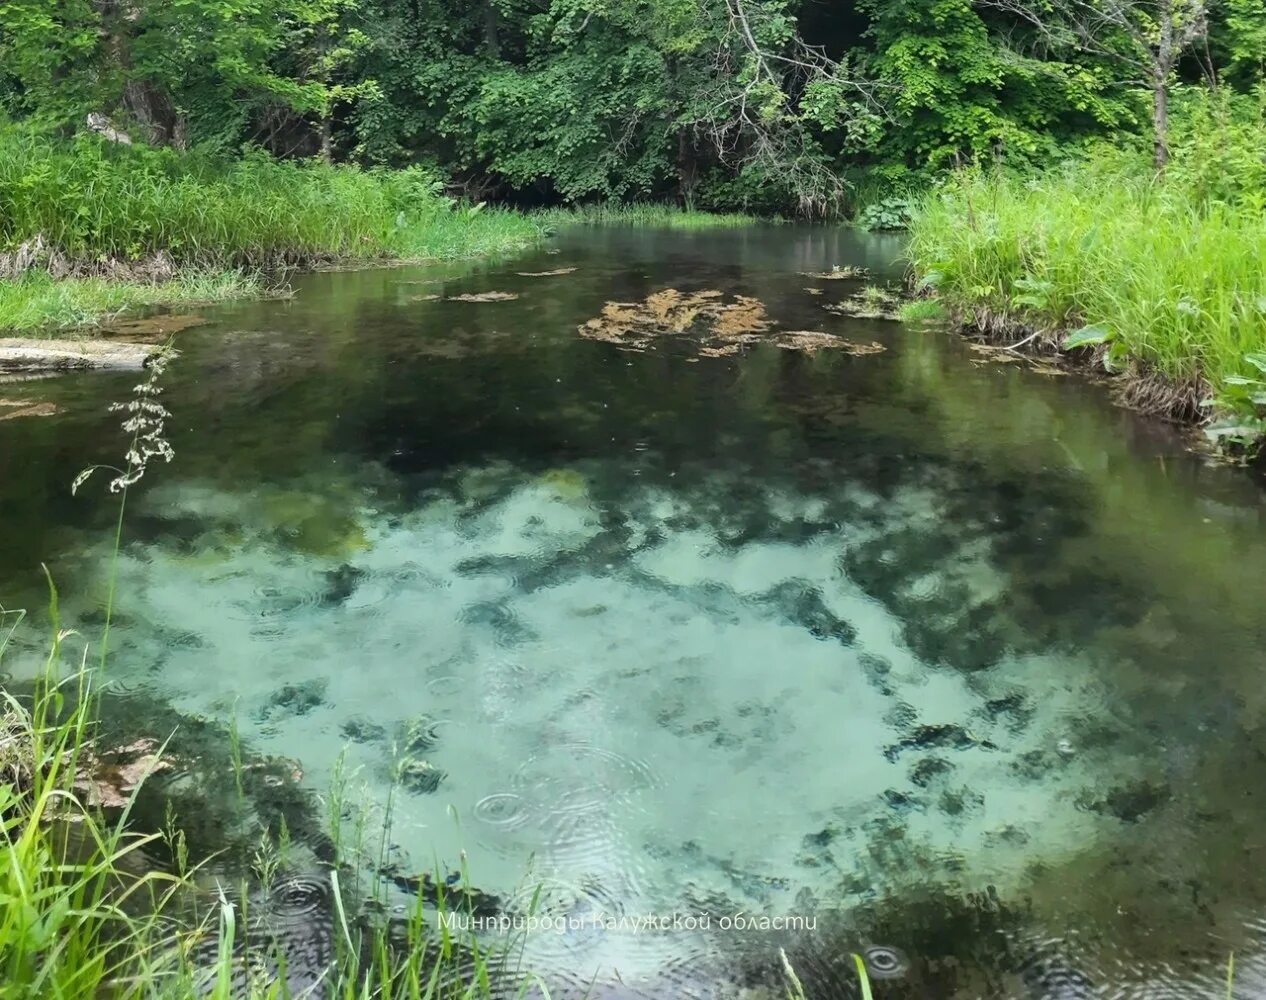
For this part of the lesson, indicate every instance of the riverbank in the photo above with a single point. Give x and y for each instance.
(110, 884)
(1154, 280)
(90, 227)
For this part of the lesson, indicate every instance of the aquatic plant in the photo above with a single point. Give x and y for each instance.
(922, 311)
(863, 978)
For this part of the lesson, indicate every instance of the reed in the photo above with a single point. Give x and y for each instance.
(1158, 276)
(92, 203)
(37, 301)
(647, 215)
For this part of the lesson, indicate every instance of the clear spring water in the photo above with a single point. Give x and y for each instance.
(928, 652)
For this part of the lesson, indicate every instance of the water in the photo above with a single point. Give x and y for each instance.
(912, 650)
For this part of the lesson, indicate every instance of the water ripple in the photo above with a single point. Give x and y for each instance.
(583, 778)
(505, 810)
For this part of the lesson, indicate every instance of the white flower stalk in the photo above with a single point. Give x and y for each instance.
(146, 421)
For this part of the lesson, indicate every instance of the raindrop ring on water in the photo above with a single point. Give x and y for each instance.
(298, 896)
(503, 809)
(444, 685)
(885, 962)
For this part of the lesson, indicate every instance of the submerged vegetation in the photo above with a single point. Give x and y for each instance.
(1156, 279)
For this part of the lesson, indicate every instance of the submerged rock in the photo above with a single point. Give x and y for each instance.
(23, 354)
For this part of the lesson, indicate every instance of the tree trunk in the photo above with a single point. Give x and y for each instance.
(491, 42)
(1160, 123)
(686, 173)
(1161, 70)
(327, 138)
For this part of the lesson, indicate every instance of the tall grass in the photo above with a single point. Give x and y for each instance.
(641, 214)
(37, 301)
(86, 913)
(1161, 275)
(93, 201)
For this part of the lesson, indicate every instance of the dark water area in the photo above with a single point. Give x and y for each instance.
(913, 653)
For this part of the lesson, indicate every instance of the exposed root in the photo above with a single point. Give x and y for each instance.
(1138, 386)
(36, 256)
(1148, 391)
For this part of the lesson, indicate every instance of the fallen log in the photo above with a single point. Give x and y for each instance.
(20, 354)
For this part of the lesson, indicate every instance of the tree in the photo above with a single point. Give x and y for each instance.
(1150, 36)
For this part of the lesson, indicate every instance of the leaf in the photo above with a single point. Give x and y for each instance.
(1257, 360)
(1245, 432)
(1115, 358)
(1088, 336)
(862, 978)
(1241, 380)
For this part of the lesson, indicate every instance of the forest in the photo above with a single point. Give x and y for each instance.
(809, 107)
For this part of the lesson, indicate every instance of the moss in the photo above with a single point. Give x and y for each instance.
(567, 483)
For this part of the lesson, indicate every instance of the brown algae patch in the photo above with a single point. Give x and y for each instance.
(483, 297)
(151, 329)
(812, 341)
(871, 302)
(837, 273)
(724, 325)
(467, 297)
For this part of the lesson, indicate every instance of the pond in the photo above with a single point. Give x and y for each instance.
(888, 645)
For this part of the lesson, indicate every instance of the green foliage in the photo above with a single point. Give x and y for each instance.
(663, 216)
(763, 106)
(922, 311)
(1159, 275)
(91, 200)
(964, 94)
(891, 212)
(863, 978)
(1244, 39)
(37, 302)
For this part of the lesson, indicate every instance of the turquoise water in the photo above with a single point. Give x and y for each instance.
(911, 650)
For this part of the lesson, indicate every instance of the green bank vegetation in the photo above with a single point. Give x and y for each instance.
(1154, 277)
(92, 203)
(36, 301)
(85, 912)
(89, 227)
(643, 214)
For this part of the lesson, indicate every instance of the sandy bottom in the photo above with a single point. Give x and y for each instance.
(611, 709)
